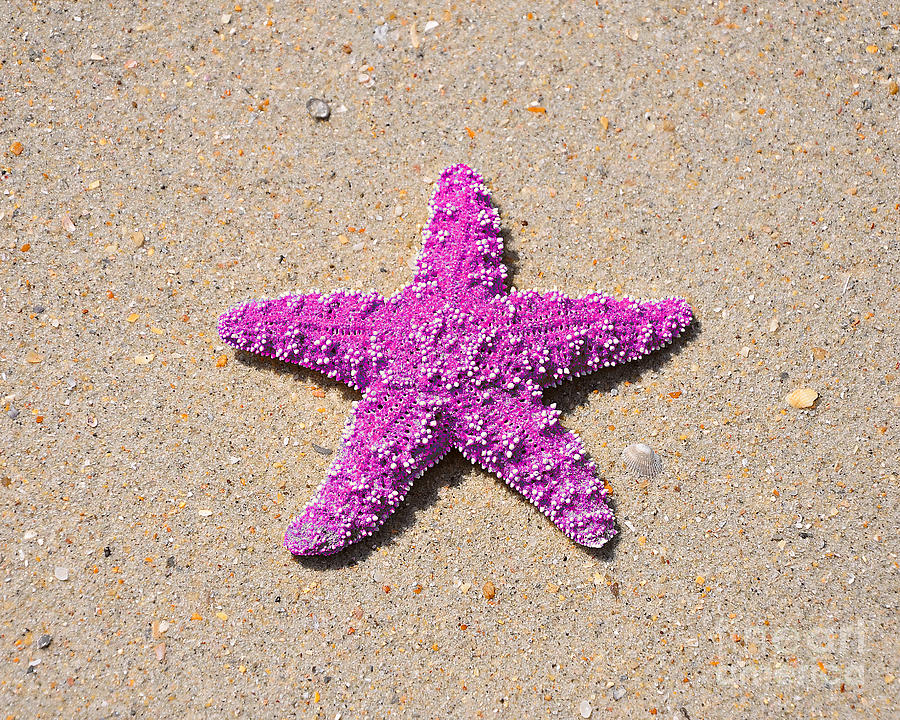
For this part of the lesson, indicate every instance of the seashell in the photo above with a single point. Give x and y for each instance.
(318, 109)
(802, 398)
(641, 460)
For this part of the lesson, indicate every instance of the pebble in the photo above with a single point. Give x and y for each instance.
(44, 641)
(321, 450)
(13, 414)
(38, 309)
(318, 109)
(585, 709)
(380, 33)
(618, 693)
(489, 591)
(61, 573)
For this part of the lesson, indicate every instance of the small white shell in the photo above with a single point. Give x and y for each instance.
(641, 460)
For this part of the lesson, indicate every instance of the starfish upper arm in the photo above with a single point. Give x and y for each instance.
(572, 336)
(462, 252)
(329, 333)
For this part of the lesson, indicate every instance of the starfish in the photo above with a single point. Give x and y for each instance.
(455, 359)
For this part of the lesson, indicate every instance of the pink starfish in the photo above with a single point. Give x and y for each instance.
(454, 359)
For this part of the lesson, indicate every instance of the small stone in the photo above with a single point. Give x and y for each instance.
(65, 220)
(321, 450)
(33, 357)
(773, 325)
(318, 109)
(429, 26)
(745, 352)
(618, 693)
(893, 88)
(160, 651)
(819, 353)
(61, 573)
(97, 57)
(38, 309)
(137, 239)
(44, 641)
(604, 122)
(143, 359)
(584, 709)
(204, 513)
(489, 590)
(16, 148)
(12, 414)
(226, 18)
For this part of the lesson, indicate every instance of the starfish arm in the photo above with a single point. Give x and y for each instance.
(335, 334)
(392, 438)
(564, 337)
(462, 253)
(522, 441)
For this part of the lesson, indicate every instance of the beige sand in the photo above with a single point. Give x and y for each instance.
(159, 165)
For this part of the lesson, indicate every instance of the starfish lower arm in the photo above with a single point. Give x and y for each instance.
(387, 445)
(521, 441)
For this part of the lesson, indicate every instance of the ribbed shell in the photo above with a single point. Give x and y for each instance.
(641, 460)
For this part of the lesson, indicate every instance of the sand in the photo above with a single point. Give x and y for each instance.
(159, 165)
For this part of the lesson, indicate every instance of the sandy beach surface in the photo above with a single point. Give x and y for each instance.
(158, 164)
